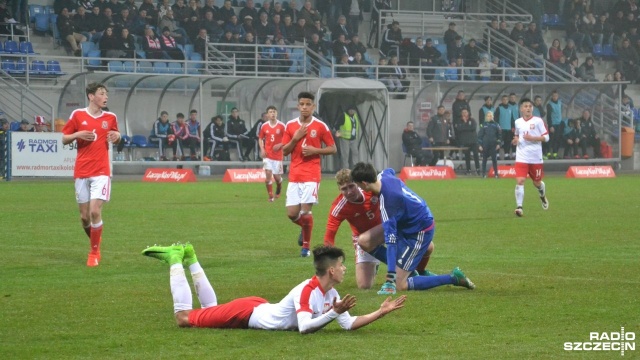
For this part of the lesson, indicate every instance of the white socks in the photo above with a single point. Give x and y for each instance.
(519, 195)
(204, 290)
(541, 189)
(180, 289)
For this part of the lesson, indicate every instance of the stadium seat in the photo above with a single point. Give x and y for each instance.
(26, 47)
(160, 67)
(49, 10)
(15, 125)
(87, 46)
(8, 65)
(1, 48)
(145, 67)
(35, 10)
(38, 68)
(195, 65)
(597, 52)
(188, 50)
(115, 66)
(21, 67)
(11, 47)
(94, 59)
(128, 66)
(439, 75)
(42, 23)
(607, 51)
(139, 142)
(175, 68)
(545, 21)
(406, 155)
(53, 68)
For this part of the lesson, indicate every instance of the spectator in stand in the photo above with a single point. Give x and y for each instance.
(400, 73)
(170, 46)
(234, 26)
(341, 28)
(506, 123)
(210, 24)
(152, 46)
(264, 29)
(450, 36)
(555, 52)
(194, 134)
(177, 32)
(456, 51)
(289, 30)
(563, 65)
(489, 42)
(281, 56)
(150, 16)
(164, 7)
(386, 75)
(277, 10)
(570, 51)
(517, 32)
(459, 104)
(439, 131)
(303, 32)
(83, 24)
(278, 27)
(534, 40)
(237, 132)
(115, 6)
(586, 71)
(127, 44)
(124, 20)
(25, 126)
(602, 31)
(266, 62)
(451, 73)
(618, 76)
(99, 22)
(413, 145)
(250, 10)
(574, 32)
(391, 40)
(343, 68)
(247, 25)
(340, 47)
(628, 61)
(181, 134)
(139, 23)
(627, 108)
(246, 55)
(467, 136)
(192, 27)
(588, 135)
(618, 26)
(471, 56)
(486, 68)
(160, 133)
(226, 12)
(309, 14)
(359, 66)
(538, 108)
(487, 107)
(227, 43)
(110, 45)
(503, 29)
(69, 32)
(293, 11)
(355, 45)
(200, 44)
(354, 10)
(317, 46)
(554, 119)
(489, 140)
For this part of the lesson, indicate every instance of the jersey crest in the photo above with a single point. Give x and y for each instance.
(313, 133)
(105, 125)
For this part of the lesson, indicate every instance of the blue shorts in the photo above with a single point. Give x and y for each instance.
(412, 247)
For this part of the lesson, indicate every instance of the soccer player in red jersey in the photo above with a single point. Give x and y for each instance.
(92, 129)
(270, 142)
(303, 139)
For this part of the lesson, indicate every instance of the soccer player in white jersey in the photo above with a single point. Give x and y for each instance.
(530, 132)
(307, 308)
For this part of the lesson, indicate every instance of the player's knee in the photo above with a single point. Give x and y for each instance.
(182, 318)
(430, 249)
(85, 220)
(402, 286)
(364, 284)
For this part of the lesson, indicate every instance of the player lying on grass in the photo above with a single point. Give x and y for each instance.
(361, 210)
(308, 307)
(408, 230)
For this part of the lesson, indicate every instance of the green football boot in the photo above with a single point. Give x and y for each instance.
(170, 254)
(189, 255)
(461, 279)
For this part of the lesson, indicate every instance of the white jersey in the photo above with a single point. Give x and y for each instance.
(529, 152)
(308, 297)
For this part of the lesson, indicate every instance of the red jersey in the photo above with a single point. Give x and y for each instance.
(93, 156)
(272, 135)
(307, 168)
(360, 216)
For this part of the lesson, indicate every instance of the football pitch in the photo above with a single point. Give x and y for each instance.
(543, 280)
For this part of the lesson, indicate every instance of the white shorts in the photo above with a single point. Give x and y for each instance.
(364, 257)
(275, 166)
(302, 193)
(97, 187)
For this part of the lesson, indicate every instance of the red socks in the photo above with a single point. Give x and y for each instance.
(306, 223)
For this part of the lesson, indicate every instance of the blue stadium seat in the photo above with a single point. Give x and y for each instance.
(145, 67)
(188, 50)
(115, 66)
(15, 125)
(439, 75)
(160, 67)
(1, 48)
(597, 52)
(195, 66)
(607, 51)
(128, 66)
(86, 47)
(53, 68)
(21, 67)
(34, 10)
(26, 47)
(38, 68)
(11, 47)
(49, 10)
(139, 141)
(175, 68)
(545, 20)
(42, 23)
(8, 65)
(93, 59)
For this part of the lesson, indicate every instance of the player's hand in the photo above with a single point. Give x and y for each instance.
(86, 135)
(263, 154)
(390, 305)
(479, 148)
(113, 136)
(514, 141)
(497, 147)
(300, 133)
(528, 137)
(337, 133)
(347, 302)
(309, 150)
(552, 130)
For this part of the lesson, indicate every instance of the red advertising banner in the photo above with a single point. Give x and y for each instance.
(590, 172)
(427, 173)
(244, 175)
(504, 171)
(169, 175)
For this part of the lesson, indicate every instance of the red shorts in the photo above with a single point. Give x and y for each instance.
(534, 171)
(232, 315)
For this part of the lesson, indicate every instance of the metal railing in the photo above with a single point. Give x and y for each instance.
(19, 102)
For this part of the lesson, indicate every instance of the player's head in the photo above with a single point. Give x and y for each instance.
(329, 260)
(193, 114)
(306, 103)
(164, 116)
(217, 119)
(97, 93)
(505, 99)
(347, 187)
(554, 95)
(512, 97)
(526, 107)
(180, 117)
(272, 112)
(364, 175)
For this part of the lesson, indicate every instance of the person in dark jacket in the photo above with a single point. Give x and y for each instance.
(439, 131)
(237, 131)
(413, 144)
(459, 104)
(588, 135)
(160, 133)
(489, 141)
(504, 118)
(216, 138)
(487, 107)
(467, 136)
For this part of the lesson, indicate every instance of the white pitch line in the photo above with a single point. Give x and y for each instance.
(567, 278)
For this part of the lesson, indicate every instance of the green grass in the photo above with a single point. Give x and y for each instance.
(542, 280)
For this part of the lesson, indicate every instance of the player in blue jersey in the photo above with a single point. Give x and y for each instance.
(408, 230)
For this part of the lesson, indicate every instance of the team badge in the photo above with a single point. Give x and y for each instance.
(532, 126)
(105, 125)
(277, 131)
(374, 200)
(313, 133)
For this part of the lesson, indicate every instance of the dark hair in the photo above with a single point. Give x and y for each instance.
(180, 115)
(524, 100)
(324, 257)
(93, 88)
(163, 113)
(216, 117)
(487, 98)
(306, 95)
(537, 97)
(512, 94)
(271, 107)
(234, 108)
(193, 111)
(364, 172)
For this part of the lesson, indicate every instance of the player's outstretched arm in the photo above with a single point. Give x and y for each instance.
(387, 306)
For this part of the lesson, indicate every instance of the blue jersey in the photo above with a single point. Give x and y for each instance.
(403, 212)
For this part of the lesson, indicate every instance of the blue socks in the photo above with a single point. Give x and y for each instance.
(428, 282)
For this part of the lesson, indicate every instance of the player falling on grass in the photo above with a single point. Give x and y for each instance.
(92, 129)
(408, 230)
(303, 139)
(307, 308)
(270, 142)
(530, 132)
